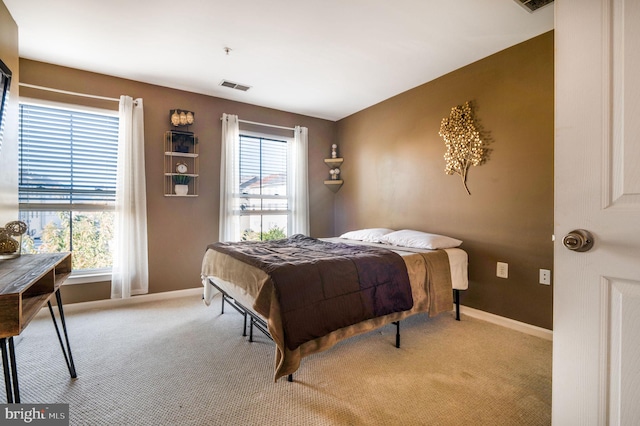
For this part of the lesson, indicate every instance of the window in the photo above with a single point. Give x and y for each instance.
(263, 182)
(261, 200)
(67, 180)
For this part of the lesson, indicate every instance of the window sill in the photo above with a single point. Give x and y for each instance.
(88, 277)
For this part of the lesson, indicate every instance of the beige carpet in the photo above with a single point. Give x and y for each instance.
(178, 362)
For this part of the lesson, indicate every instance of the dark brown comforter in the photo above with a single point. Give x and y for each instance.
(324, 286)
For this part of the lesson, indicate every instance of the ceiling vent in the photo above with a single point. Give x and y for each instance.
(232, 85)
(533, 5)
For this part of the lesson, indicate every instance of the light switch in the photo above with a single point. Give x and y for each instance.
(502, 270)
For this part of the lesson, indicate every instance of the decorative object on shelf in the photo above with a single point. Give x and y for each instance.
(181, 118)
(334, 154)
(9, 246)
(465, 148)
(175, 118)
(181, 168)
(183, 141)
(334, 173)
(181, 186)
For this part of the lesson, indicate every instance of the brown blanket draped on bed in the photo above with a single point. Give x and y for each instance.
(438, 282)
(322, 286)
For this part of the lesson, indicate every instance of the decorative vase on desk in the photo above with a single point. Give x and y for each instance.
(11, 247)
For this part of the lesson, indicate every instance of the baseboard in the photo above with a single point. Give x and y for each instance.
(507, 322)
(144, 298)
(114, 303)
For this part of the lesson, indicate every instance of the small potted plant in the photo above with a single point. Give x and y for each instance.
(181, 184)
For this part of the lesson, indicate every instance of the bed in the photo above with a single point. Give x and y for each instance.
(435, 277)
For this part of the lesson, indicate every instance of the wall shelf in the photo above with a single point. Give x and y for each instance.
(181, 148)
(334, 163)
(181, 154)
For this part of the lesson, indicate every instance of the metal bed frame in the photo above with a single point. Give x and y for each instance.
(259, 323)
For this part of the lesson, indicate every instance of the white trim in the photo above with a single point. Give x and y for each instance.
(67, 92)
(267, 125)
(154, 297)
(68, 106)
(508, 323)
(293, 129)
(266, 135)
(82, 278)
(116, 303)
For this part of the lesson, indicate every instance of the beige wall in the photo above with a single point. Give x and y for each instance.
(9, 149)
(394, 174)
(180, 228)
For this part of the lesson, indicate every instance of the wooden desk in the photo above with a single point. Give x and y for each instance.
(27, 283)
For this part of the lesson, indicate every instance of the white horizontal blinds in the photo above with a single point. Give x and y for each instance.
(66, 157)
(263, 176)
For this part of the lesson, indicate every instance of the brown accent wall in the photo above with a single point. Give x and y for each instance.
(394, 174)
(179, 229)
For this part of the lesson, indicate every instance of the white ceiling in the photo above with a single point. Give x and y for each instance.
(322, 58)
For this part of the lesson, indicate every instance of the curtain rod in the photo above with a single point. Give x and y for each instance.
(66, 92)
(267, 125)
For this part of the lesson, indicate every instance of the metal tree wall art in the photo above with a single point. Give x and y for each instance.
(464, 145)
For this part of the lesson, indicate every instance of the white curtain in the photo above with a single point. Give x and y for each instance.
(299, 182)
(229, 178)
(130, 256)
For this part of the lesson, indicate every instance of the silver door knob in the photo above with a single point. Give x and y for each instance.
(578, 240)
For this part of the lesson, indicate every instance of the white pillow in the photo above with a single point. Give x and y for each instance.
(417, 239)
(371, 235)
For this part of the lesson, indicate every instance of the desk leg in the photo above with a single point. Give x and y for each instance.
(10, 371)
(65, 351)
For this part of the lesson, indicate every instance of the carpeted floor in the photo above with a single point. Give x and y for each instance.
(178, 362)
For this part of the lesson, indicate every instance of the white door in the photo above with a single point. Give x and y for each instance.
(596, 336)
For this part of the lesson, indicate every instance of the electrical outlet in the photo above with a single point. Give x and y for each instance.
(502, 270)
(545, 276)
